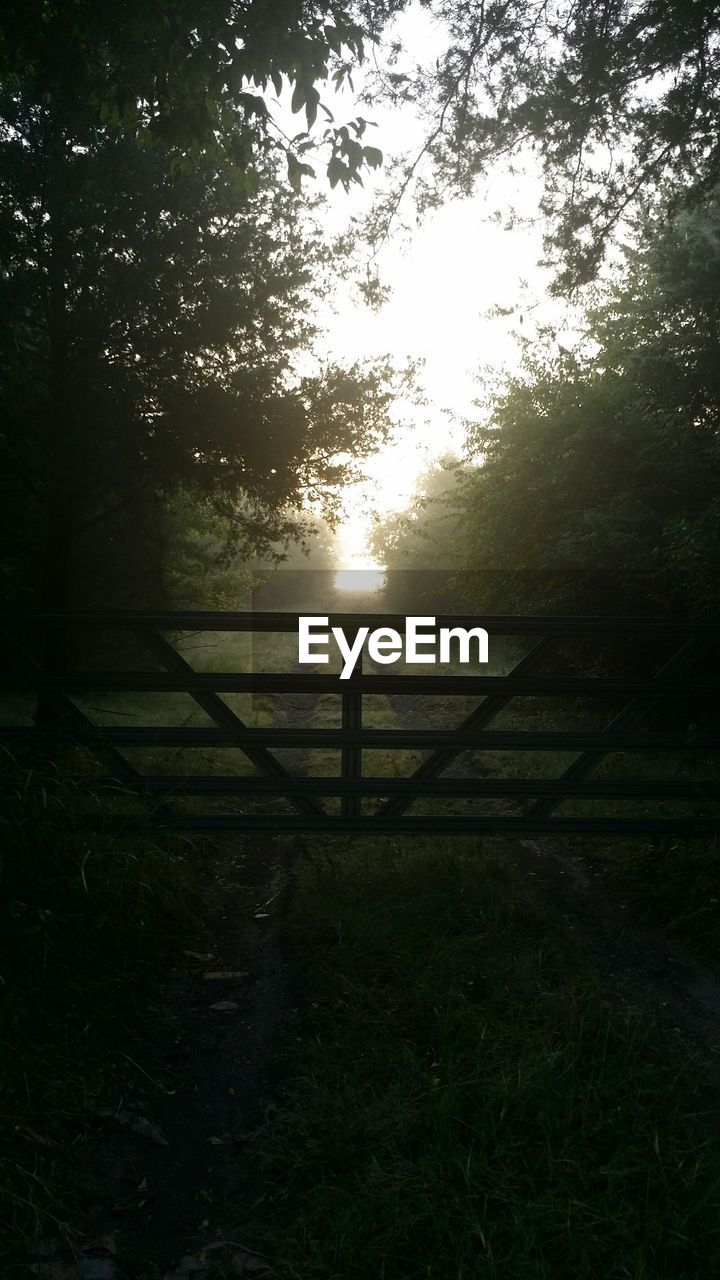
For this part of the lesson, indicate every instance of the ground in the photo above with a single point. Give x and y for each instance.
(177, 1180)
(201, 1071)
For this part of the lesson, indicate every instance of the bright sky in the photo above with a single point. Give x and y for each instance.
(458, 265)
(457, 268)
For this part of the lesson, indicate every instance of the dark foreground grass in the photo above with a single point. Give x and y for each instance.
(85, 921)
(466, 1102)
(672, 884)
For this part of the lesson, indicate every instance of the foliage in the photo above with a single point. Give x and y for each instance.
(613, 100)
(197, 76)
(152, 328)
(405, 537)
(419, 544)
(217, 556)
(600, 465)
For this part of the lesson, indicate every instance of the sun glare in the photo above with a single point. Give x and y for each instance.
(367, 579)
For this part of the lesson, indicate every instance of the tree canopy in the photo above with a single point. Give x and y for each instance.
(160, 274)
(150, 339)
(598, 468)
(617, 100)
(197, 77)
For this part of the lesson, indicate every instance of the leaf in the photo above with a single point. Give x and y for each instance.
(354, 153)
(253, 105)
(373, 157)
(333, 37)
(337, 172)
(294, 175)
(311, 105)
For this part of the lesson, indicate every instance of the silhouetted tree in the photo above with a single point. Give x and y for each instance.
(149, 339)
(601, 470)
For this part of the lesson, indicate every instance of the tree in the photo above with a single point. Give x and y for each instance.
(197, 76)
(601, 466)
(150, 329)
(419, 545)
(208, 563)
(617, 101)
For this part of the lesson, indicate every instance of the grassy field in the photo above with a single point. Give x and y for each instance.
(467, 1100)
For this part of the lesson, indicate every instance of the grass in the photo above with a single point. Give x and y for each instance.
(465, 1099)
(378, 713)
(670, 883)
(85, 922)
(466, 1102)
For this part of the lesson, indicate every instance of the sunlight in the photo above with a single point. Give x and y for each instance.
(358, 569)
(365, 579)
(458, 292)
